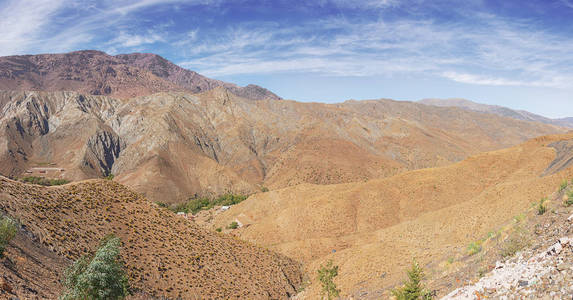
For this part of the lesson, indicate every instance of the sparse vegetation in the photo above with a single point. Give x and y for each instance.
(43, 181)
(264, 189)
(194, 205)
(541, 208)
(161, 204)
(563, 185)
(233, 225)
(109, 176)
(97, 276)
(517, 240)
(413, 288)
(8, 230)
(326, 276)
(474, 248)
(569, 200)
(219, 229)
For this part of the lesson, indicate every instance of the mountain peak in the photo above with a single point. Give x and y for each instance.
(97, 73)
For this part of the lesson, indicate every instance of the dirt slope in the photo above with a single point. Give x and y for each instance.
(373, 229)
(174, 145)
(166, 255)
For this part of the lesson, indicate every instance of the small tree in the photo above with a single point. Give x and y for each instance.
(413, 289)
(326, 276)
(8, 230)
(98, 276)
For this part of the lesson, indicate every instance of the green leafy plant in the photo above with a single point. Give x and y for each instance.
(413, 288)
(326, 276)
(219, 229)
(97, 276)
(8, 230)
(109, 176)
(264, 189)
(233, 225)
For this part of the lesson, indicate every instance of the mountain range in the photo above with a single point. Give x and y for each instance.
(368, 184)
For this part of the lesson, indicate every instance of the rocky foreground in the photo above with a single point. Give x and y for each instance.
(537, 273)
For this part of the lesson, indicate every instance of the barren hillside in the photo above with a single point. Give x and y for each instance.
(96, 73)
(373, 229)
(174, 145)
(166, 255)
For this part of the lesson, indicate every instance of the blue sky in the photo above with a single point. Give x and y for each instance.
(513, 53)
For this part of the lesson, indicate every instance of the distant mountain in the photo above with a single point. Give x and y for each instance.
(498, 110)
(97, 73)
(174, 145)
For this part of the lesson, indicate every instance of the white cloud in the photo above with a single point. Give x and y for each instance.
(22, 21)
(132, 40)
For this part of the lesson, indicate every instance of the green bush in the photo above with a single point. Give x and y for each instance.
(264, 189)
(8, 230)
(474, 248)
(97, 276)
(44, 181)
(233, 225)
(194, 205)
(326, 276)
(109, 176)
(219, 229)
(541, 208)
(563, 185)
(413, 288)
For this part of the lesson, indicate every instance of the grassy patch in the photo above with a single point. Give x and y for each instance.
(517, 240)
(569, 200)
(563, 185)
(474, 248)
(541, 208)
(233, 225)
(43, 181)
(194, 205)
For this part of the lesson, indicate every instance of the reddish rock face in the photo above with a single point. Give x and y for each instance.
(96, 73)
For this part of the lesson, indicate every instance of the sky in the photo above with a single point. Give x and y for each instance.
(512, 53)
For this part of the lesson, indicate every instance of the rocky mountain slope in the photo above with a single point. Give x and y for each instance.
(96, 73)
(374, 229)
(166, 255)
(498, 110)
(174, 145)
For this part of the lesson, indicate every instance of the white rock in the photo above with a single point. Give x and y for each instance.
(570, 219)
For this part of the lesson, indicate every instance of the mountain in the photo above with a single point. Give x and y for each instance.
(96, 73)
(174, 145)
(373, 229)
(166, 256)
(498, 110)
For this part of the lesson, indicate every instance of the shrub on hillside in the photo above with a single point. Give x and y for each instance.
(413, 288)
(44, 181)
(8, 230)
(326, 276)
(563, 185)
(517, 240)
(541, 208)
(233, 225)
(569, 200)
(97, 276)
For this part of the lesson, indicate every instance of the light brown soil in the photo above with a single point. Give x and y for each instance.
(373, 229)
(165, 255)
